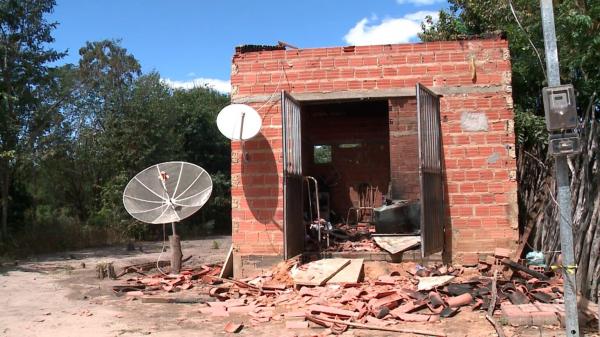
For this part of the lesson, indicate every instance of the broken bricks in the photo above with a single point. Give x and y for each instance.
(530, 314)
(375, 303)
(233, 327)
(460, 300)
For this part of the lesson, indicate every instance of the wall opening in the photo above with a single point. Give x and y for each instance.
(354, 151)
(351, 148)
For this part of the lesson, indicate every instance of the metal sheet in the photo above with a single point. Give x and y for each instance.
(293, 225)
(433, 213)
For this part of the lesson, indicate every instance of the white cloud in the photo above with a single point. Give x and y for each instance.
(214, 83)
(420, 2)
(190, 74)
(389, 30)
(420, 15)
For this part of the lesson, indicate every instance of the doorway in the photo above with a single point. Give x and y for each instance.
(353, 150)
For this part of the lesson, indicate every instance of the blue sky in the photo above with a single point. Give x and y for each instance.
(192, 42)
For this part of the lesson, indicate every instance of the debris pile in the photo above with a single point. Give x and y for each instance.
(332, 293)
(364, 245)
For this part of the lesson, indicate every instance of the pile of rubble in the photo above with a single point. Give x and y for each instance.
(364, 245)
(304, 296)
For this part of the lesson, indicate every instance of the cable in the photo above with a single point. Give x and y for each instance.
(512, 9)
(276, 89)
(560, 215)
(162, 250)
(258, 109)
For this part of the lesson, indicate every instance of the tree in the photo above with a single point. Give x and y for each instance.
(24, 74)
(577, 30)
(204, 145)
(72, 137)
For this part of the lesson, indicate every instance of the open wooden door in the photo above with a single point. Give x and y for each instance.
(433, 214)
(293, 224)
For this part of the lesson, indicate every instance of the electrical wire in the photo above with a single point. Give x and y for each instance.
(512, 9)
(558, 205)
(276, 88)
(162, 250)
(258, 109)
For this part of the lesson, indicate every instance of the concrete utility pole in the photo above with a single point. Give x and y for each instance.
(562, 180)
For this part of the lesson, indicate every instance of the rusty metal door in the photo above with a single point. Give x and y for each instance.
(293, 224)
(430, 170)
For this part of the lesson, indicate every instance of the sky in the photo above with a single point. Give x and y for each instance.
(191, 42)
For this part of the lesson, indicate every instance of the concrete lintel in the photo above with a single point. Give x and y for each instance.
(354, 94)
(372, 94)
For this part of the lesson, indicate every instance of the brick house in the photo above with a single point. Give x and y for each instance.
(424, 121)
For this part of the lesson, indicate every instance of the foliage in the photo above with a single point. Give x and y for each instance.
(203, 144)
(24, 81)
(578, 35)
(530, 128)
(72, 136)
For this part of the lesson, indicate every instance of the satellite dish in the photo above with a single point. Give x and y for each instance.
(239, 122)
(167, 192)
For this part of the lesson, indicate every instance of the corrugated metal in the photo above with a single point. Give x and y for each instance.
(293, 226)
(431, 174)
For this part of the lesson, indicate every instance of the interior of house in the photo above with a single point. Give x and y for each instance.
(352, 175)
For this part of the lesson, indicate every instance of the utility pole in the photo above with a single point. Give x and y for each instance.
(561, 117)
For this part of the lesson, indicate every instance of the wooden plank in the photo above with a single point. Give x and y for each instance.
(397, 244)
(316, 273)
(431, 282)
(352, 273)
(227, 270)
(524, 269)
(189, 300)
(523, 240)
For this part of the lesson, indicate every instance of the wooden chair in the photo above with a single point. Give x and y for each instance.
(366, 203)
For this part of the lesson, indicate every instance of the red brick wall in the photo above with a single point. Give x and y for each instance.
(256, 188)
(404, 145)
(473, 76)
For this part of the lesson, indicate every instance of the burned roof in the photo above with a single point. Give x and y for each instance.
(248, 48)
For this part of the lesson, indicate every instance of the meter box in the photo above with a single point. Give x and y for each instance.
(560, 108)
(564, 144)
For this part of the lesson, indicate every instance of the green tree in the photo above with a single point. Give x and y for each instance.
(105, 78)
(148, 132)
(204, 145)
(24, 75)
(74, 135)
(578, 35)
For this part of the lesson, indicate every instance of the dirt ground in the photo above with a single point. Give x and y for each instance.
(59, 295)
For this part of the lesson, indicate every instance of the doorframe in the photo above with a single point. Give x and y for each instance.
(431, 163)
(325, 98)
(292, 175)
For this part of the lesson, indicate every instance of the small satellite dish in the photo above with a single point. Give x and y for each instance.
(167, 192)
(239, 122)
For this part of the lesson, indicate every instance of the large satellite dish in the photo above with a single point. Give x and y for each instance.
(239, 122)
(167, 192)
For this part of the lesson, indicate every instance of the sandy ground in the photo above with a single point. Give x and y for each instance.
(59, 295)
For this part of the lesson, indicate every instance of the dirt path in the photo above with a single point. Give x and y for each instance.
(59, 295)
